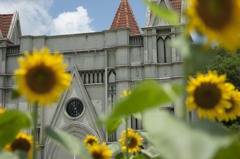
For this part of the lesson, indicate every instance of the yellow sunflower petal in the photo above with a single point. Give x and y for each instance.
(218, 20)
(209, 96)
(232, 112)
(42, 77)
(23, 142)
(91, 140)
(134, 141)
(100, 151)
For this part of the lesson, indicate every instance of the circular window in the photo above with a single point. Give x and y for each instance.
(74, 108)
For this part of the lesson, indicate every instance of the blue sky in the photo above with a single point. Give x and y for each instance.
(55, 17)
(101, 11)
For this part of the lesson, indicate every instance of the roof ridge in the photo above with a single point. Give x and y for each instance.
(6, 14)
(124, 18)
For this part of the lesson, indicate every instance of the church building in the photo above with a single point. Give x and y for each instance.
(102, 64)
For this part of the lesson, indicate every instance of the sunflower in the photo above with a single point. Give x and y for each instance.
(232, 112)
(219, 20)
(134, 141)
(22, 142)
(209, 94)
(90, 140)
(2, 110)
(41, 76)
(125, 93)
(100, 151)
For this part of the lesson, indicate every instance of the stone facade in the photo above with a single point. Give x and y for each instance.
(102, 65)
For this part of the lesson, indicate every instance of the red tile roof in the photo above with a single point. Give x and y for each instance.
(124, 18)
(176, 5)
(5, 22)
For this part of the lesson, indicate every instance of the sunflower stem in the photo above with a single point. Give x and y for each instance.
(182, 114)
(34, 130)
(126, 129)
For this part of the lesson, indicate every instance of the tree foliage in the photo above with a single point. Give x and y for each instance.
(229, 64)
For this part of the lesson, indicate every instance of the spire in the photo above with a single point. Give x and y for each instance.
(124, 18)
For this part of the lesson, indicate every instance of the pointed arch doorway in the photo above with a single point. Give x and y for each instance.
(78, 129)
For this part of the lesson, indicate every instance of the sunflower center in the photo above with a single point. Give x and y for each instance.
(21, 144)
(216, 14)
(40, 79)
(132, 142)
(207, 95)
(97, 155)
(91, 141)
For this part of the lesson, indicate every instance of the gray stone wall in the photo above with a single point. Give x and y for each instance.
(101, 63)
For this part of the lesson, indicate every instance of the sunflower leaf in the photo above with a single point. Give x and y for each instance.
(120, 156)
(11, 122)
(115, 147)
(164, 13)
(231, 151)
(146, 95)
(15, 94)
(196, 55)
(67, 142)
(141, 156)
(147, 152)
(15, 155)
(112, 124)
(21, 154)
(181, 140)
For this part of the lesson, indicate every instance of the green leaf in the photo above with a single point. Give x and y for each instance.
(231, 152)
(21, 154)
(112, 124)
(119, 156)
(11, 122)
(196, 56)
(182, 44)
(115, 147)
(8, 155)
(164, 13)
(141, 156)
(143, 134)
(176, 139)
(68, 142)
(215, 129)
(15, 94)
(146, 95)
(157, 157)
(137, 116)
(15, 155)
(150, 152)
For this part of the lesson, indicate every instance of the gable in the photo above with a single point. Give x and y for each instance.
(10, 27)
(87, 121)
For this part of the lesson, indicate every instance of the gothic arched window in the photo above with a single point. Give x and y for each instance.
(160, 50)
(164, 52)
(168, 50)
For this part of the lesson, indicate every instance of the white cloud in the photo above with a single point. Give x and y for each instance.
(72, 22)
(36, 20)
